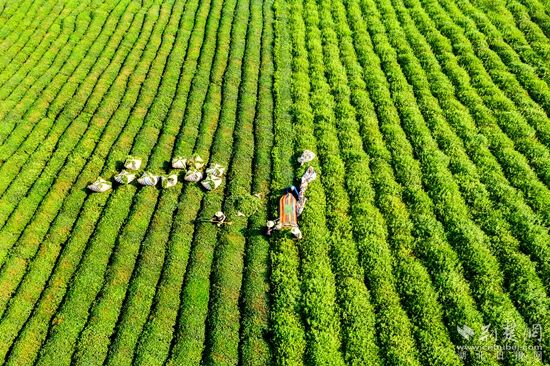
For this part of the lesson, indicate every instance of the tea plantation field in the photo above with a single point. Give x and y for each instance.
(426, 235)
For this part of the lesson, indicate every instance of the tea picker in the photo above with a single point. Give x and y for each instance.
(292, 203)
(288, 214)
(219, 219)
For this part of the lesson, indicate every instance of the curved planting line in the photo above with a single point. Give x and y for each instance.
(431, 245)
(146, 273)
(10, 25)
(62, 146)
(12, 9)
(540, 13)
(254, 348)
(496, 18)
(53, 58)
(100, 324)
(424, 311)
(35, 234)
(391, 205)
(36, 155)
(521, 280)
(94, 338)
(415, 284)
(36, 225)
(338, 135)
(32, 134)
(29, 37)
(283, 175)
(89, 277)
(46, 53)
(537, 32)
(471, 243)
(14, 129)
(537, 249)
(188, 342)
(525, 224)
(4, 13)
(515, 165)
(497, 70)
(456, 197)
(38, 106)
(56, 36)
(504, 59)
(509, 118)
(103, 317)
(66, 263)
(222, 347)
(193, 135)
(155, 338)
(222, 333)
(285, 320)
(459, 307)
(73, 160)
(219, 112)
(319, 309)
(13, 34)
(508, 45)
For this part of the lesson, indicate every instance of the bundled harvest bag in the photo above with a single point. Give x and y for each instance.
(132, 163)
(215, 170)
(307, 156)
(309, 176)
(301, 204)
(100, 185)
(195, 162)
(169, 181)
(179, 162)
(211, 182)
(193, 175)
(148, 179)
(125, 177)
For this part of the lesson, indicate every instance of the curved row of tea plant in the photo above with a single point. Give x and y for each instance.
(430, 211)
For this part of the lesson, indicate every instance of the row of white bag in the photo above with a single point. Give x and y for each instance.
(148, 179)
(193, 174)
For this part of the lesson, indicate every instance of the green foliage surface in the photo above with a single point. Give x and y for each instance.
(429, 217)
